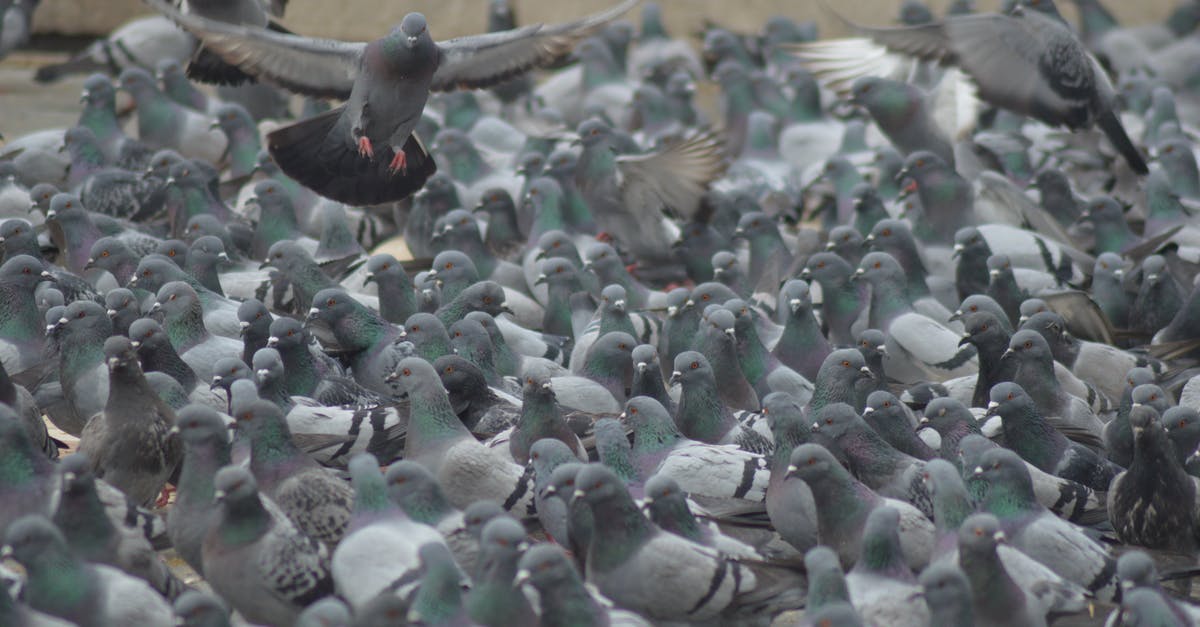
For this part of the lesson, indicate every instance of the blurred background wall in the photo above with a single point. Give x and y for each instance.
(367, 19)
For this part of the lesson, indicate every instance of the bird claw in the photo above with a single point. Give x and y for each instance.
(399, 162)
(165, 497)
(365, 149)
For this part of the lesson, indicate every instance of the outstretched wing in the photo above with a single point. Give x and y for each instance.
(322, 68)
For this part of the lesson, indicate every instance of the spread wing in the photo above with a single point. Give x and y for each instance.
(674, 178)
(478, 61)
(322, 68)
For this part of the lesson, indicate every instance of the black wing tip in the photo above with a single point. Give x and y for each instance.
(1115, 131)
(207, 67)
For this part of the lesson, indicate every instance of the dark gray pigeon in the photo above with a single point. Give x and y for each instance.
(129, 443)
(364, 152)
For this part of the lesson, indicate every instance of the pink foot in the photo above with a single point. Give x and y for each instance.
(603, 236)
(399, 162)
(365, 149)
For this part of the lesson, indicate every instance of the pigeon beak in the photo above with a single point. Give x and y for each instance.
(541, 278)
(806, 274)
(6, 552)
(858, 274)
(882, 350)
(412, 41)
(828, 246)
(369, 278)
(135, 344)
(1022, 320)
(522, 577)
(676, 377)
(216, 382)
(868, 239)
(174, 430)
(647, 501)
(958, 251)
(214, 125)
(867, 411)
(243, 326)
(547, 386)
(901, 174)
(579, 494)
(541, 254)
(622, 417)
(794, 304)
(223, 257)
(1008, 352)
(68, 477)
(978, 471)
(272, 342)
(619, 305)
(155, 308)
(1119, 273)
(816, 426)
(924, 420)
(219, 496)
(739, 232)
(91, 263)
(791, 471)
(392, 377)
(729, 332)
(113, 361)
(999, 537)
(867, 371)
(672, 310)
(262, 372)
(993, 273)
(312, 313)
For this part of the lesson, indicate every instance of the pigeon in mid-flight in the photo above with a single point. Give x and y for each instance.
(365, 152)
(1027, 61)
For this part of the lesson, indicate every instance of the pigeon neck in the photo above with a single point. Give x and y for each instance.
(701, 415)
(672, 515)
(468, 167)
(540, 418)
(1010, 498)
(363, 329)
(493, 594)
(186, 329)
(992, 589)
(624, 530)
(432, 422)
(612, 320)
(101, 119)
(435, 345)
(425, 505)
(951, 506)
(439, 599)
(397, 301)
(868, 453)
(20, 319)
(826, 588)
(273, 455)
(58, 579)
(243, 521)
(85, 525)
(650, 383)
(165, 359)
(881, 555)
(243, 151)
(201, 461)
(371, 500)
(654, 436)
(567, 602)
(888, 302)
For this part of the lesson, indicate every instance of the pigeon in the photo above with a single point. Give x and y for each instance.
(105, 595)
(702, 416)
(466, 470)
(843, 505)
(256, 559)
(997, 598)
(494, 597)
(562, 596)
(1152, 504)
(162, 123)
(381, 543)
(624, 556)
(93, 537)
(128, 444)
(881, 586)
(711, 470)
(1034, 530)
(25, 406)
(1071, 88)
(146, 37)
(1041, 444)
(416, 491)
(346, 167)
(1137, 571)
(668, 508)
(206, 450)
(439, 599)
(540, 418)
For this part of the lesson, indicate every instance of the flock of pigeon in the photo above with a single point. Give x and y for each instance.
(908, 334)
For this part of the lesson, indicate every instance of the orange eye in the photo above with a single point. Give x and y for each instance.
(1010, 396)
(846, 364)
(878, 265)
(821, 264)
(1028, 344)
(887, 233)
(633, 410)
(331, 302)
(406, 372)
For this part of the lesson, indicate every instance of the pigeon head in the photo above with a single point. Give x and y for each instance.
(890, 235)
(940, 475)
(76, 473)
(121, 303)
(1143, 419)
(877, 267)
(826, 581)
(287, 333)
(469, 337)
(796, 295)
(596, 484)
(1103, 210)
(267, 366)
(531, 164)
(845, 239)
(330, 305)
(594, 131)
(845, 365)
(485, 296)
(227, 370)
(562, 482)
(41, 195)
(384, 267)
(200, 424)
(408, 482)
(645, 357)
(884, 405)
(999, 266)
(889, 102)
(871, 343)
(982, 328)
(1136, 569)
(921, 164)
(642, 412)
(1109, 263)
(812, 462)
(286, 255)
(554, 244)
(479, 513)
(1183, 427)
(32, 537)
(23, 272)
(121, 355)
(979, 534)
(1028, 345)
(503, 536)
(463, 380)
(942, 414)
(80, 138)
(488, 322)
(1154, 269)
(1008, 397)
(545, 566)
(198, 609)
(67, 209)
(781, 409)
(154, 271)
(495, 201)
(662, 488)
(414, 28)
(417, 376)
(234, 484)
(711, 293)
(85, 318)
(1001, 466)
(970, 243)
(423, 328)
(755, 224)
(547, 454)
(207, 250)
(18, 237)
(612, 298)
(175, 299)
(147, 335)
(454, 268)
(827, 268)
(725, 267)
(691, 367)
(1151, 395)
(252, 314)
(175, 250)
(98, 91)
(835, 419)
(205, 224)
(234, 118)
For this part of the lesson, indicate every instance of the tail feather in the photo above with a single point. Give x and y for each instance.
(1115, 131)
(71, 67)
(321, 157)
